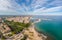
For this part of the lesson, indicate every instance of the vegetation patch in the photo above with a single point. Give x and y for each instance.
(17, 27)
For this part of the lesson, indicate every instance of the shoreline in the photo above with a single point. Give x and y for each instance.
(45, 34)
(38, 20)
(41, 34)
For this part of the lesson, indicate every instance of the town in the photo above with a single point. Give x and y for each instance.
(18, 28)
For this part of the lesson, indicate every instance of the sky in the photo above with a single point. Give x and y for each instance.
(30, 7)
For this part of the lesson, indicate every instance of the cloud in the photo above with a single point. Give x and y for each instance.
(31, 6)
(56, 3)
(54, 9)
(4, 4)
(50, 11)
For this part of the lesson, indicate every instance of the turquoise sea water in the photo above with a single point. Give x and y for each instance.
(53, 26)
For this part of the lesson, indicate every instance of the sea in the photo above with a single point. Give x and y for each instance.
(50, 25)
